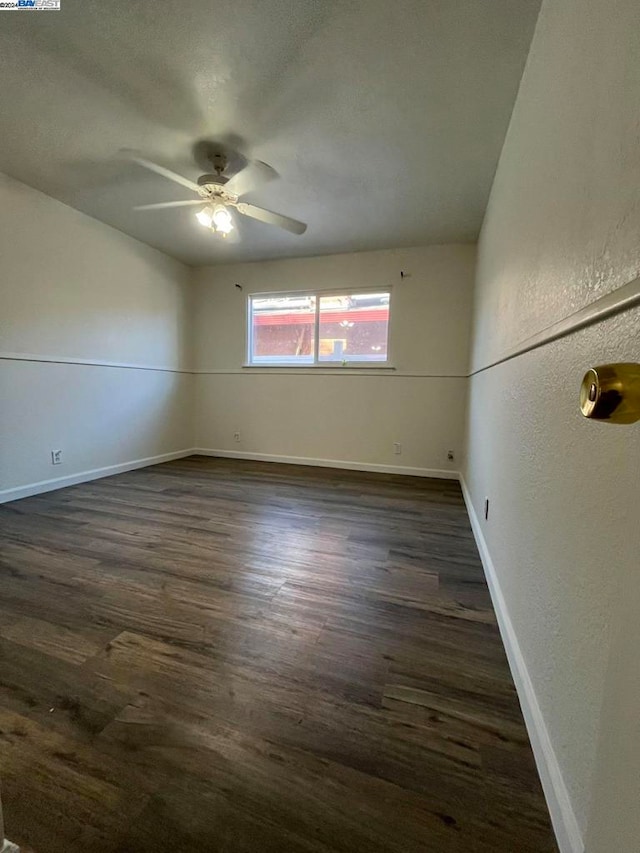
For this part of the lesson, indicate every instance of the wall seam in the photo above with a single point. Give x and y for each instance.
(618, 301)
(88, 362)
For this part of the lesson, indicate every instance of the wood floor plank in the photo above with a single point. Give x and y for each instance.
(62, 794)
(244, 656)
(55, 640)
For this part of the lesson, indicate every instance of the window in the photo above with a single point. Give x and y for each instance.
(331, 329)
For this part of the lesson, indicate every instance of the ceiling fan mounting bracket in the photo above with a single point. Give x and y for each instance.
(219, 161)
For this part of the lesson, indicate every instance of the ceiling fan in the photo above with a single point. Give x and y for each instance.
(217, 193)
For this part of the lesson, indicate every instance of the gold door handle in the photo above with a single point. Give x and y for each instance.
(611, 392)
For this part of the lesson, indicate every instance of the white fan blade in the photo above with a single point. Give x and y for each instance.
(160, 170)
(271, 218)
(164, 204)
(254, 174)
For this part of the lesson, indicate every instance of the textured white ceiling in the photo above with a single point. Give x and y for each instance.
(384, 119)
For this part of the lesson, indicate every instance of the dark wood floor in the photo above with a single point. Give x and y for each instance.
(215, 655)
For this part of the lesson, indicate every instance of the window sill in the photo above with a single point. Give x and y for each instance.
(328, 367)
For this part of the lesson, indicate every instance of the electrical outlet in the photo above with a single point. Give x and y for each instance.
(56, 457)
(486, 508)
(397, 448)
(236, 436)
(450, 455)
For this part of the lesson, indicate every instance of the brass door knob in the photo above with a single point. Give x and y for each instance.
(611, 392)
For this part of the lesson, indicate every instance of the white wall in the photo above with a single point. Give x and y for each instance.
(341, 415)
(74, 290)
(96, 349)
(562, 229)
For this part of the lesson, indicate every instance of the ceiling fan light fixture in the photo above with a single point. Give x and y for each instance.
(218, 193)
(222, 220)
(205, 216)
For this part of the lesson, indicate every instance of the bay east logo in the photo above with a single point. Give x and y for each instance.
(22, 5)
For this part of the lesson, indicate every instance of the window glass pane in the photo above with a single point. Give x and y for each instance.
(282, 329)
(354, 328)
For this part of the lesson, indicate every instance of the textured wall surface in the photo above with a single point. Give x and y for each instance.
(562, 229)
(562, 529)
(73, 288)
(562, 222)
(614, 822)
(329, 414)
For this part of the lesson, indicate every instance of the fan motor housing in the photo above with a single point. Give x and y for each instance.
(220, 180)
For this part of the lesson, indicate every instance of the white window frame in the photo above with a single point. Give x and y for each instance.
(316, 364)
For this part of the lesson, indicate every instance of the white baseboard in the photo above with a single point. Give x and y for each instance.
(438, 473)
(564, 821)
(85, 476)
(43, 486)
